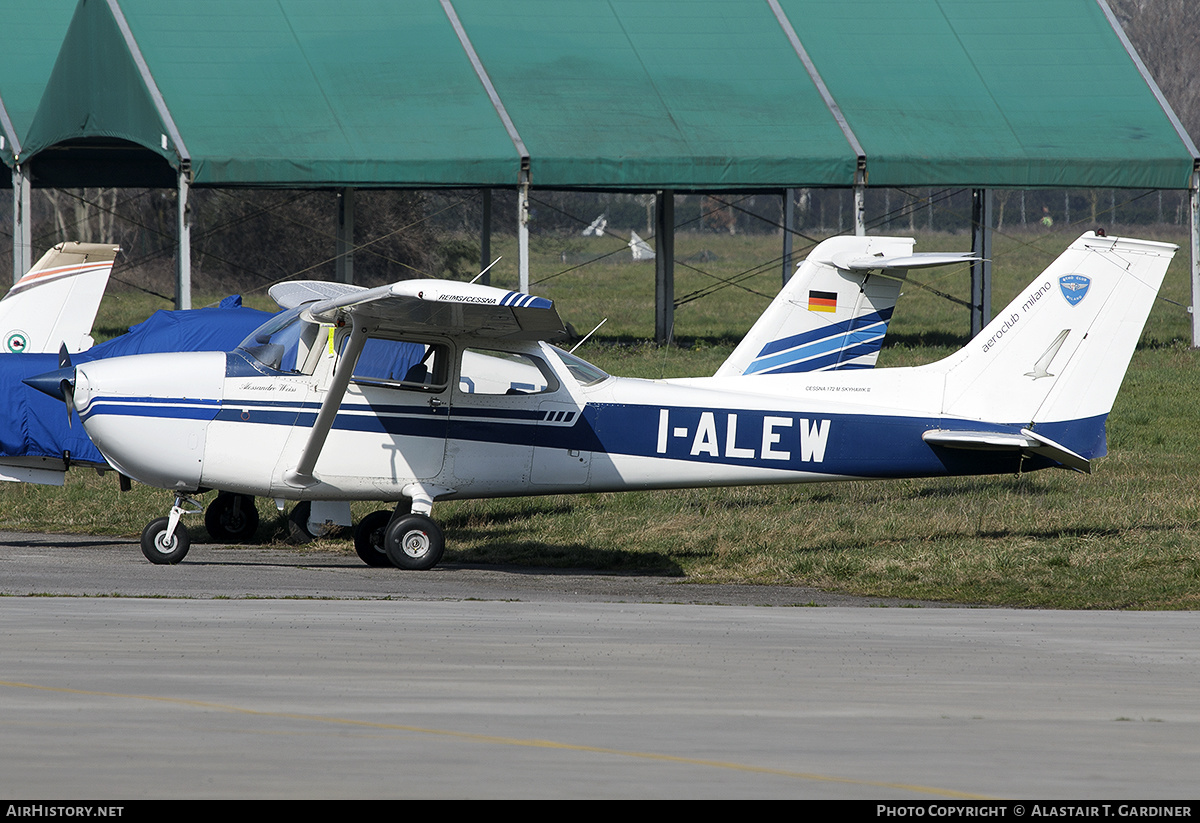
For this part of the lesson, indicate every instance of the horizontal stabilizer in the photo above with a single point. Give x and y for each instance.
(1026, 441)
(924, 260)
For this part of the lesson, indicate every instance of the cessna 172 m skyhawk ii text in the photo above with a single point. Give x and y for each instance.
(427, 390)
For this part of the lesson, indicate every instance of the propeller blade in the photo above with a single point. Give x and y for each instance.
(67, 388)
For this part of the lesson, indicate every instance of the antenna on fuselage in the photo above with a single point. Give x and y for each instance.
(485, 271)
(586, 336)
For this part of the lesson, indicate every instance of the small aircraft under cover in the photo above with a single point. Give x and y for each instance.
(428, 390)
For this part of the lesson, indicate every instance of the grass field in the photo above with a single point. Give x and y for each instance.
(1127, 536)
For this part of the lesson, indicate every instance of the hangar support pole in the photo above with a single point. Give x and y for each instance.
(860, 209)
(22, 225)
(485, 239)
(183, 251)
(789, 220)
(981, 270)
(664, 267)
(523, 234)
(344, 261)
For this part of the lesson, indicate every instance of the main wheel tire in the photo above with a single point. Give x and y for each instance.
(369, 538)
(299, 532)
(231, 518)
(158, 549)
(414, 542)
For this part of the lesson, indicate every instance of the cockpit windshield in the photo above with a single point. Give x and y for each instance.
(585, 373)
(276, 343)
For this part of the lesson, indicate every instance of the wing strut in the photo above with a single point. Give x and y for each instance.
(301, 475)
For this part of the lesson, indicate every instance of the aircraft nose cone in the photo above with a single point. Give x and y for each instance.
(59, 384)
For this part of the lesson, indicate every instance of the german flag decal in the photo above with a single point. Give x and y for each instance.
(822, 301)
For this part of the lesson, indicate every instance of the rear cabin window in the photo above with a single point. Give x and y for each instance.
(487, 371)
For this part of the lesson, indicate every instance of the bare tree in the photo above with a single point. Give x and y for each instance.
(1166, 34)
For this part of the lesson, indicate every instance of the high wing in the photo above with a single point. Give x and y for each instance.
(441, 307)
(429, 306)
(834, 312)
(55, 303)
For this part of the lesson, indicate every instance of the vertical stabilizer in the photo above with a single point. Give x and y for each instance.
(55, 303)
(1054, 359)
(834, 312)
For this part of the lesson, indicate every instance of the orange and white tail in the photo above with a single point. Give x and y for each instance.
(55, 303)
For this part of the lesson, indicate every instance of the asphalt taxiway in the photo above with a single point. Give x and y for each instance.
(275, 673)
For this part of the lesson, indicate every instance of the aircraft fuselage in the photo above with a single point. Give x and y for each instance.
(222, 421)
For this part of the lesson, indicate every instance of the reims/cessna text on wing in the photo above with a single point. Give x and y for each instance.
(428, 390)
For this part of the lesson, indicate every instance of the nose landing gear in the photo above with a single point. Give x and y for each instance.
(166, 541)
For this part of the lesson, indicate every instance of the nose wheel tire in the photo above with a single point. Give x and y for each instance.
(231, 518)
(414, 542)
(161, 551)
(369, 538)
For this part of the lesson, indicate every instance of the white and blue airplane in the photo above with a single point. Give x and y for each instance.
(53, 306)
(427, 390)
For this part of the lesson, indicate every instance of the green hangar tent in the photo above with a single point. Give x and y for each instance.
(633, 95)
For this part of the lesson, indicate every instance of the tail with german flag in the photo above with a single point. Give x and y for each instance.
(835, 310)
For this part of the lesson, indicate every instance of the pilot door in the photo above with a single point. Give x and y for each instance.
(391, 426)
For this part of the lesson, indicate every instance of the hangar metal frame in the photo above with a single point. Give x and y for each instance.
(633, 95)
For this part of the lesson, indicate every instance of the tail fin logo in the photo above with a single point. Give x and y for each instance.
(1074, 287)
(17, 342)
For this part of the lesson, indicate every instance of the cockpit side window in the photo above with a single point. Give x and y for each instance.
(405, 364)
(283, 342)
(585, 373)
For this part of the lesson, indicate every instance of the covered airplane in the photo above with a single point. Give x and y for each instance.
(371, 395)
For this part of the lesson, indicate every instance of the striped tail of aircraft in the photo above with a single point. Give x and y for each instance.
(834, 312)
(55, 303)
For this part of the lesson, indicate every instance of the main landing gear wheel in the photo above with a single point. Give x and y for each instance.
(161, 551)
(299, 532)
(414, 542)
(369, 538)
(231, 518)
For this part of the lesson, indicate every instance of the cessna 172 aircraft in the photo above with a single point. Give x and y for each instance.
(427, 390)
(835, 318)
